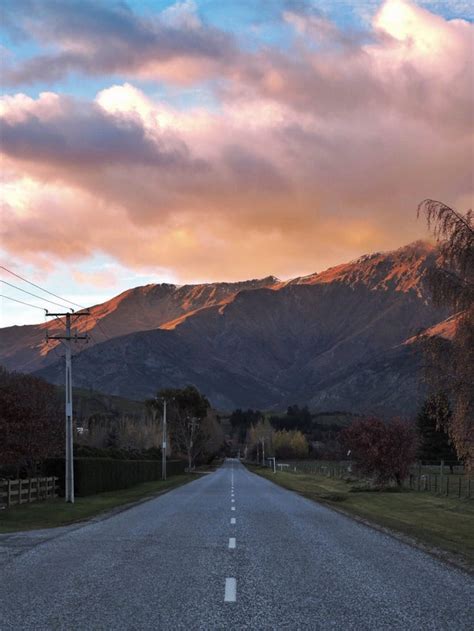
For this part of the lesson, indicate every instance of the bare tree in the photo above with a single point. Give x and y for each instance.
(450, 363)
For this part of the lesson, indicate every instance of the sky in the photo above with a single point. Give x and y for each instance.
(213, 140)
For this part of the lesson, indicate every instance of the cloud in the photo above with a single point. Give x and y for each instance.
(312, 155)
(100, 38)
(412, 62)
(58, 130)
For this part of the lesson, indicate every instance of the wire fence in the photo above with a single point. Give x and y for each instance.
(445, 481)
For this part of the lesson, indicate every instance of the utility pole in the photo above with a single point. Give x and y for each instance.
(192, 424)
(163, 446)
(69, 472)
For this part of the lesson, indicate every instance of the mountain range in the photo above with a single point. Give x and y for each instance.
(344, 339)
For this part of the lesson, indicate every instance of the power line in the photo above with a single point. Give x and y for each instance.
(99, 325)
(92, 337)
(23, 303)
(42, 288)
(34, 295)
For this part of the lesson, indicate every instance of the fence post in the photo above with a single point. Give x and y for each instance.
(447, 486)
(460, 483)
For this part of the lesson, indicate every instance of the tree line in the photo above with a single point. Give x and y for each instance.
(32, 427)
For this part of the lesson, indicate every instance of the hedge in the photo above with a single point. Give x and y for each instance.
(96, 475)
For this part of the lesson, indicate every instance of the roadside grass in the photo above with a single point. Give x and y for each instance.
(53, 513)
(445, 524)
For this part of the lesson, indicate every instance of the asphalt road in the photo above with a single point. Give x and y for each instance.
(180, 561)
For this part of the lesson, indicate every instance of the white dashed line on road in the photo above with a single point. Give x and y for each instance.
(233, 508)
(232, 543)
(230, 595)
(232, 520)
(233, 501)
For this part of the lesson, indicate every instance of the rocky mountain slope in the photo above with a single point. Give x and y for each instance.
(139, 309)
(342, 339)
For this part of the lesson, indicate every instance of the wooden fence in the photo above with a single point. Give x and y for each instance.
(29, 490)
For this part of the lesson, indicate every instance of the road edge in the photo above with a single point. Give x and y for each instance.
(437, 553)
(101, 516)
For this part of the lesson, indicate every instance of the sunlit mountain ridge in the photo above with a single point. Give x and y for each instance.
(333, 340)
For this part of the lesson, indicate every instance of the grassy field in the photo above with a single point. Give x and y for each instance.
(438, 522)
(49, 514)
(423, 478)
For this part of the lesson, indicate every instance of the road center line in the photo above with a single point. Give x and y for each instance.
(232, 543)
(233, 508)
(230, 594)
(232, 520)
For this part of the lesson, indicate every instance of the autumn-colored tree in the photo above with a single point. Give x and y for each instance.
(290, 444)
(382, 450)
(31, 421)
(450, 363)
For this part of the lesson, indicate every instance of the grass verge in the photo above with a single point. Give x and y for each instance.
(442, 525)
(57, 512)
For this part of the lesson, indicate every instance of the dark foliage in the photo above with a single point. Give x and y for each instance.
(434, 443)
(192, 425)
(296, 418)
(242, 420)
(31, 421)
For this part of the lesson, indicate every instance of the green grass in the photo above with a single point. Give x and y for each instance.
(446, 524)
(57, 512)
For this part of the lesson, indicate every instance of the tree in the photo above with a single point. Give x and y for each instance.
(241, 421)
(290, 444)
(260, 433)
(434, 442)
(382, 450)
(188, 417)
(296, 418)
(31, 421)
(450, 363)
